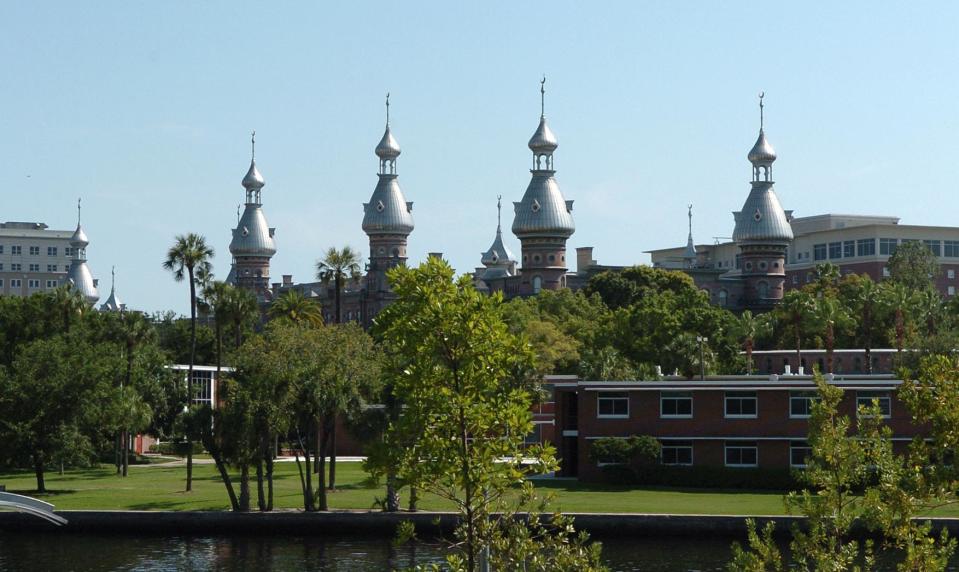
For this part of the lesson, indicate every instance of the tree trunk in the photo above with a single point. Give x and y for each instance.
(189, 375)
(269, 482)
(306, 476)
(225, 477)
(116, 451)
(830, 342)
(414, 498)
(245, 487)
(749, 356)
(321, 464)
(392, 494)
(336, 286)
(867, 337)
(332, 485)
(260, 491)
(38, 471)
(126, 451)
(900, 329)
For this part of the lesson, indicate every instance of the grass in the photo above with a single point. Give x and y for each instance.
(152, 487)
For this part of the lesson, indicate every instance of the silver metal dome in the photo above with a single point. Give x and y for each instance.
(388, 211)
(543, 210)
(762, 218)
(762, 151)
(252, 235)
(81, 279)
(543, 140)
(388, 147)
(253, 178)
(79, 238)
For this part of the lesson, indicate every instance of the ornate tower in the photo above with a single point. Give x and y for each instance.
(498, 260)
(543, 218)
(387, 218)
(79, 275)
(689, 255)
(252, 245)
(762, 230)
(113, 303)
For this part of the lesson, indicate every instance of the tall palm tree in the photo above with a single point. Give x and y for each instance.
(747, 329)
(830, 315)
(899, 299)
(188, 258)
(134, 331)
(794, 312)
(337, 266)
(239, 309)
(867, 304)
(292, 305)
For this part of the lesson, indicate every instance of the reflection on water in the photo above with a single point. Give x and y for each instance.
(68, 552)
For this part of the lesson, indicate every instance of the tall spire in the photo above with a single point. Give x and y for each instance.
(542, 97)
(387, 149)
(253, 182)
(762, 155)
(690, 253)
(543, 142)
(387, 109)
(78, 210)
(499, 213)
(762, 94)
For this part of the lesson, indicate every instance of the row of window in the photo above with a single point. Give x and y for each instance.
(17, 250)
(887, 247)
(735, 453)
(33, 283)
(17, 267)
(736, 404)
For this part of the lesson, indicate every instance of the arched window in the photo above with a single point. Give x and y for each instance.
(537, 284)
(763, 289)
(723, 297)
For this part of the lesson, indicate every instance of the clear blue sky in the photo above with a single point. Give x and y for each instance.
(144, 109)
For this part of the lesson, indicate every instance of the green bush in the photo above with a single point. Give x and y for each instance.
(178, 449)
(622, 451)
(702, 477)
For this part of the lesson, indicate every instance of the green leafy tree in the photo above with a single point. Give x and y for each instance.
(794, 315)
(914, 266)
(466, 387)
(830, 315)
(292, 305)
(189, 258)
(338, 267)
(863, 299)
(747, 329)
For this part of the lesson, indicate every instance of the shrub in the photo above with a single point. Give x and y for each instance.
(702, 477)
(175, 448)
(621, 451)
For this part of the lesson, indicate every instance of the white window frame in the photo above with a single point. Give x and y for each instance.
(809, 396)
(53, 283)
(16, 283)
(33, 284)
(609, 396)
(676, 395)
(795, 446)
(729, 395)
(677, 444)
(740, 445)
(34, 251)
(865, 398)
(951, 273)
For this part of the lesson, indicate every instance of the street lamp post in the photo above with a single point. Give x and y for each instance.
(702, 353)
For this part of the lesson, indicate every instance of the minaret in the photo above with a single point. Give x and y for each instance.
(79, 275)
(387, 218)
(689, 255)
(113, 303)
(252, 245)
(762, 230)
(498, 259)
(543, 219)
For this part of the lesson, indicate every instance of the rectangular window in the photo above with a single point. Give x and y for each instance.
(676, 453)
(950, 248)
(1, 249)
(866, 398)
(34, 268)
(800, 403)
(951, 274)
(951, 290)
(202, 387)
(742, 454)
(866, 247)
(835, 250)
(1, 282)
(15, 250)
(612, 405)
(887, 246)
(676, 404)
(799, 451)
(819, 251)
(16, 267)
(51, 251)
(1, 267)
(848, 248)
(741, 404)
(935, 246)
(34, 251)
(795, 279)
(15, 283)
(33, 284)
(51, 267)
(52, 283)
(68, 251)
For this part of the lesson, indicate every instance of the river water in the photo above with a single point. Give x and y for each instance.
(69, 552)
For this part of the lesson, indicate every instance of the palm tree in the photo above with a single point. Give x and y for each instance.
(337, 266)
(240, 309)
(868, 305)
(189, 257)
(134, 331)
(899, 298)
(827, 278)
(747, 329)
(830, 314)
(795, 310)
(292, 305)
(69, 304)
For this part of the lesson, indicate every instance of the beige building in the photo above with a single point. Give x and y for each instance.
(33, 257)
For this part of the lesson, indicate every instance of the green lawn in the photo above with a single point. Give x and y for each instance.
(161, 488)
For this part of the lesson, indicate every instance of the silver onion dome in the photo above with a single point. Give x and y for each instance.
(388, 211)
(81, 279)
(543, 210)
(79, 238)
(762, 151)
(253, 178)
(543, 140)
(388, 147)
(252, 235)
(762, 218)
